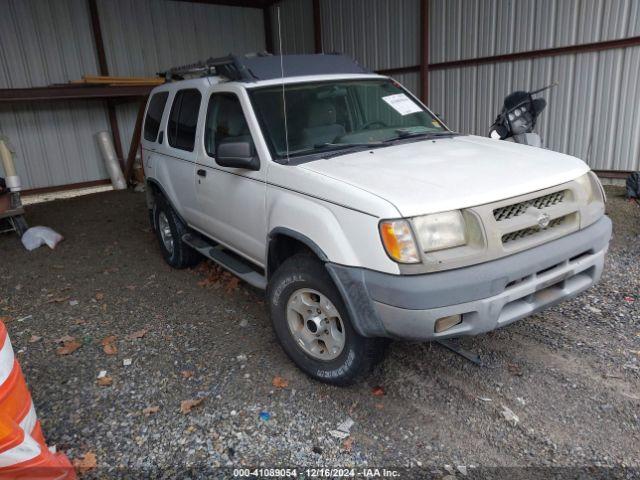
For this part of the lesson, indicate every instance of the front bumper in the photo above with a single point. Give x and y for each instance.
(488, 296)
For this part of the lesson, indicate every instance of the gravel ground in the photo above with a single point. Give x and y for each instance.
(571, 375)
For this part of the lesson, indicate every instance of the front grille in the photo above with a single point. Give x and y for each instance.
(510, 211)
(527, 232)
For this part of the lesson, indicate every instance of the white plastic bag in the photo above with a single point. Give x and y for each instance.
(38, 236)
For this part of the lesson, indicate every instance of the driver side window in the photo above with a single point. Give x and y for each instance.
(225, 122)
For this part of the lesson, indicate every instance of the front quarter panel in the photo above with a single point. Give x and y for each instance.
(346, 235)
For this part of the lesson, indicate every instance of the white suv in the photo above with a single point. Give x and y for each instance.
(362, 216)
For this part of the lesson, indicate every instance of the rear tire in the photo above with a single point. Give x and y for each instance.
(320, 355)
(169, 230)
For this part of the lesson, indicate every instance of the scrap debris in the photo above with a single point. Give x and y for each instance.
(343, 430)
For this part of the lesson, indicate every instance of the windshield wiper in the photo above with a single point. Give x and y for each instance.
(342, 145)
(336, 149)
(402, 134)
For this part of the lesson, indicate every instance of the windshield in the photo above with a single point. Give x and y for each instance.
(339, 115)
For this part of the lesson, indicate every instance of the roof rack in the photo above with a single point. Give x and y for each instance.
(264, 66)
(230, 66)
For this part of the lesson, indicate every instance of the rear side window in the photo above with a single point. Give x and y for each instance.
(154, 116)
(183, 119)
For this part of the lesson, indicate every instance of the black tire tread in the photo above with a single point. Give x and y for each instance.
(370, 351)
(183, 255)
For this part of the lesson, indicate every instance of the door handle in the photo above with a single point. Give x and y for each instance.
(202, 173)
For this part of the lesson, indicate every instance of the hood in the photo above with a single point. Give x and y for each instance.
(450, 173)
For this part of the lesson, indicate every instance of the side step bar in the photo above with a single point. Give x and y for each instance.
(227, 260)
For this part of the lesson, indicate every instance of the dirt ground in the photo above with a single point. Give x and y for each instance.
(570, 375)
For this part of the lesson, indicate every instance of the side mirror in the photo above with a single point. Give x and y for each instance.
(237, 155)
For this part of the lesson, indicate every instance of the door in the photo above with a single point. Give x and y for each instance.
(176, 153)
(231, 201)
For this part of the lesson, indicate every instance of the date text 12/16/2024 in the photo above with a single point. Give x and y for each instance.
(316, 472)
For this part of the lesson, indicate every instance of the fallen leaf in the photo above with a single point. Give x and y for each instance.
(515, 369)
(187, 405)
(150, 410)
(34, 339)
(69, 347)
(109, 345)
(136, 335)
(65, 339)
(86, 463)
(105, 381)
(6, 319)
(99, 296)
(377, 391)
(232, 285)
(186, 374)
(347, 444)
(280, 382)
(58, 299)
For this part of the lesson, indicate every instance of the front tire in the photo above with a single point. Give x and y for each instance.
(169, 231)
(313, 325)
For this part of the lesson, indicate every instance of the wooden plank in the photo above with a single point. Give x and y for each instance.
(61, 188)
(135, 142)
(106, 80)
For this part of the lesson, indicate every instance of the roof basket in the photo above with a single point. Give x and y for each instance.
(230, 66)
(264, 66)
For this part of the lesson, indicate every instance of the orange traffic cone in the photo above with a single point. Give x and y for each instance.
(23, 451)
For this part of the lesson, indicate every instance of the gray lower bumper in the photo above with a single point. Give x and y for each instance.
(488, 296)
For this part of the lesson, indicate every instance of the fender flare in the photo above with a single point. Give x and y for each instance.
(313, 246)
(353, 292)
(155, 183)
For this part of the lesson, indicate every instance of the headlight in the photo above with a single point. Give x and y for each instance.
(398, 241)
(591, 186)
(441, 230)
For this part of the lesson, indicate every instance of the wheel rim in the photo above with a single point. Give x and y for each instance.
(165, 232)
(315, 324)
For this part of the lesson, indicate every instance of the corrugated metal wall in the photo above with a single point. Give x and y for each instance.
(379, 34)
(296, 26)
(592, 114)
(44, 43)
(143, 37)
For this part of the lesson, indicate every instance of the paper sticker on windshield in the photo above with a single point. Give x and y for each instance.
(402, 104)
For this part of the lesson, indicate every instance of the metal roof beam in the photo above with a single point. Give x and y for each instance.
(236, 3)
(73, 92)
